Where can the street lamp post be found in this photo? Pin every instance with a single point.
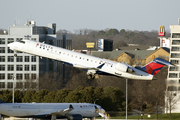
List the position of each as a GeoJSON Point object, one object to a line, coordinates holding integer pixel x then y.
{"type": "Point", "coordinates": [13, 88]}
{"type": "Point", "coordinates": [126, 97]}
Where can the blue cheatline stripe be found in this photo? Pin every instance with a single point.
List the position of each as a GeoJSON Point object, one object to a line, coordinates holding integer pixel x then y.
{"type": "Point", "coordinates": [156, 70]}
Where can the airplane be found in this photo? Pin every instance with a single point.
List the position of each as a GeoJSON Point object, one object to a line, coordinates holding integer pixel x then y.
{"type": "Point", "coordinates": [93, 65]}
{"type": "Point", "coordinates": [53, 111]}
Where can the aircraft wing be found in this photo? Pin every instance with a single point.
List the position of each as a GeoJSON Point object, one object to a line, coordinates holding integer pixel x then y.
{"type": "Point", "coordinates": [59, 112]}
{"type": "Point", "coordinates": [63, 112]}
{"type": "Point", "coordinates": [88, 68]}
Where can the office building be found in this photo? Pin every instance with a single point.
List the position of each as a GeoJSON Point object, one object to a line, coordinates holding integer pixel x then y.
{"type": "Point", "coordinates": [24, 70]}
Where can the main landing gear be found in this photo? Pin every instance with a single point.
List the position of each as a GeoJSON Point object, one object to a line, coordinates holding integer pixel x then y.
{"type": "Point", "coordinates": [91, 76]}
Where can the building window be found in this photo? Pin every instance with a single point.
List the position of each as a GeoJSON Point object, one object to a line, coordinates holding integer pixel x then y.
{"type": "Point", "coordinates": [19, 85]}
{"type": "Point", "coordinates": [175, 55]}
{"type": "Point", "coordinates": [19, 76]}
{"type": "Point", "coordinates": [26, 76]}
{"type": "Point", "coordinates": [33, 58]}
{"type": "Point", "coordinates": [33, 67]}
{"type": "Point", "coordinates": [17, 39]}
{"type": "Point", "coordinates": [26, 67]}
{"type": "Point", "coordinates": [2, 40]}
{"type": "Point", "coordinates": [27, 85]}
{"type": "Point", "coordinates": [175, 61]}
{"type": "Point", "coordinates": [2, 49]}
{"type": "Point", "coordinates": [2, 67]}
{"type": "Point", "coordinates": [10, 84]}
{"type": "Point", "coordinates": [10, 40]}
{"type": "Point", "coordinates": [51, 42]}
{"type": "Point", "coordinates": [33, 39]}
{"type": "Point", "coordinates": [174, 68]}
{"type": "Point", "coordinates": [176, 35]}
{"type": "Point", "coordinates": [2, 85]}
{"type": "Point", "coordinates": [176, 42]}
{"type": "Point", "coordinates": [175, 49]}
{"type": "Point", "coordinates": [2, 58]}
{"type": "Point", "coordinates": [10, 58]}
{"type": "Point", "coordinates": [26, 59]}
{"type": "Point", "coordinates": [34, 85]}
{"type": "Point", "coordinates": [2, 76]}
{"type": "Point", "coordinates": [172, 88]}
{"type": "Point", "coordinates": [10, 76]}
{"type": "Point", "coordinates": [19, 59]}
{"type": "Point", "coordinates": [10, 51]}
{"type": "Point", "coordinates": [10, 67]}
{"type": "Point", "coordinates": [173, 75]}
{"type": "Point", "coordinates": [19, 67]}
{"type": "Point", "coordinates": [172, 81]}
{"type": "Point", "coordinates": [33, 76]}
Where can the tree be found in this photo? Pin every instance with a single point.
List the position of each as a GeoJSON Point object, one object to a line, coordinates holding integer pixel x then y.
{"type": "Point", "coordinates": [6, 96]}
{"type": "Point", "coordinates": [101, 33]}
{"type": "Point", "coordinates": [50, 97]}
{"type": "Point", "coordinates": [139, 95]}
{"type": "Point", "coordinates": [61, 95]}
{"type": "Point", "coordinates": [28, 97]}
{"type": "Point", "coordinates": [73, 97]}
{"type": "Point", "coordinates": [112, 32]}
{"type": "Point", "coordinates": [39, 97]}
{"type": "Point", "coordinates": [18, 95]}
{"type": "Point", "coordinates": [172, 97]}
{"type": "Point", "coordinates": [113, 99]}
{"type": "Point", "coordinates": [156, 96]}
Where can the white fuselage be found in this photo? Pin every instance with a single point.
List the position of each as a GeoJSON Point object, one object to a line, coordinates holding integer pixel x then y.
{"type": "Point", "coordinates": [79, 60]}
{"type": "Point", "coordinates": [38, 110]}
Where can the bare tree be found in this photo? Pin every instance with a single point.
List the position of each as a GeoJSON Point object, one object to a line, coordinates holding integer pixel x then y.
{"type": "Point", "coordinates": [50, 81]}
{"type": "Point", "coordinates": [172, 97]}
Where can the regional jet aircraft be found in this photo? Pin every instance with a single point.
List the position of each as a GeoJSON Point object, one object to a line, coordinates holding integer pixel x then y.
{"type": "Point", "coordinates": [72, 111]}
{"type": "Point", "coordinates": [93, 65]}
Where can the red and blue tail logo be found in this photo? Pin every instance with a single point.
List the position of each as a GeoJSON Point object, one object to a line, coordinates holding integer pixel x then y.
{"type": "Point", "coordinates": [154, 66]}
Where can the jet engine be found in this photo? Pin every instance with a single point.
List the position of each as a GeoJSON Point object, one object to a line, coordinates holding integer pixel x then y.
{"type": "Point", "coordinates": [123, 68]}
{"type": "Point", "coordinates": [75, 117]}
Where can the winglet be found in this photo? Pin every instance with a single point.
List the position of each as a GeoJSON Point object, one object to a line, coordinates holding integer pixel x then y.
{"type": "Point", "coordinates": [70, 106]}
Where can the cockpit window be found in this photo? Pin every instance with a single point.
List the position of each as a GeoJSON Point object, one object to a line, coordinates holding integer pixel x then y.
{"type": "Point", "coordinates": [21, 41]}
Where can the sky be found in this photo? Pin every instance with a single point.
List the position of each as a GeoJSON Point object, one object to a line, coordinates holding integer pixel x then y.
{"type": "Point", "coordinates": [71, 15]}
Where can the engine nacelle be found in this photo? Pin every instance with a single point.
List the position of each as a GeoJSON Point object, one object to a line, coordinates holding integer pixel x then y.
{"type": "Point", "coordinates": [75, 117]}
{"type": "Point", "coordinates": [124, 68]}
{"type": "Point", "coordinates": [121, 67]}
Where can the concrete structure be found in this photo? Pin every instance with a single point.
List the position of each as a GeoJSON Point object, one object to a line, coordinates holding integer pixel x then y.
{"type": "Point", "coordinates": [26, 68]}
{"type": "Point", "coordinates": [173, 78]}
{"type": "Point", "coordinates": [172, 97]}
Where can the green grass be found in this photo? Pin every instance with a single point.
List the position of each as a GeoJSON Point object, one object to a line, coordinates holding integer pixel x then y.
{"type": "Point", "coordinates": [174, 116]}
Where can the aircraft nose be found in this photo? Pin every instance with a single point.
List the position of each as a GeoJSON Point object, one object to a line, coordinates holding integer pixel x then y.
{"type": "Point", "coordinates": [11, 46]}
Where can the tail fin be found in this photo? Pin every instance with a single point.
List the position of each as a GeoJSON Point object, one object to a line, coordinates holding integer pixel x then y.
{"type": "Point", "coordinates": [154, 66]}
